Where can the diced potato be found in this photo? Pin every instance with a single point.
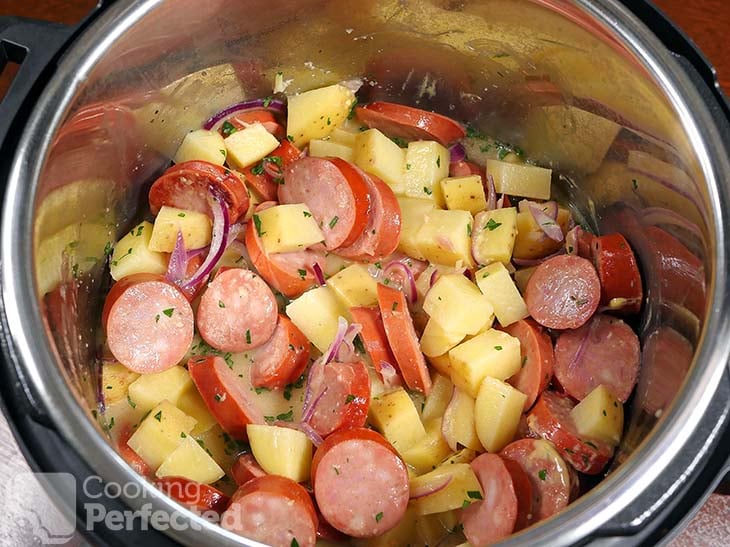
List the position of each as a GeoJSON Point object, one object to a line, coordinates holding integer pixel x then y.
{"type": "Point", "coordinates": [442, 364]}
{"type": "Point", "coordinates": [160, 433]}
{"type": "Point", "coordinates": [496, 284]}
{"type": "Point", "coordinates": [426, 164]}
{"type": "Point", "coordinates": [494, 236]}
{"type": "Point", "coordinates": [458, 426]}
{"type": "Point", "coordinates": [438, 399]}
{"type": "Point", "coordinates": [316, 113]}
{"type": "Point", "coordinates": [445, 237]}
{"type": "Point", "coordinates": [396, 417]}
{"type": "Point", "coordinates": [492, 353]}
{"type": "Point", "coordinates": [316, 313]}
{"type": "Point", "coordinates": [599, 416]}
{"type": "Point", "coordinates": [430, 450]}
{"type": "Point", "coordinates": [465, 455]}
{"type": "Point", "coordinates": [150, 389]}
{"type": "Point", "coordinates": [436, 341]}
{"type": "Point", "coordinates": [319, 148]}
{"type": "Point", "coordinates": [377, 154]}
{"type": "Point", "coordinates": [531, 241]}
{"type": "Point", "coordinates": [202, 145]}
{"type": "Point", "coordinates": [195, 228]}
{"type": "Point", "coordinates": [520, 180]}
{"type": "Point", "coordinates": [219, 445]}
{"type": "Point", "coordinates": [465, 193]}
{"type": "Point", "coordinates": [354, 286]}
{"type": "Point", "coordinates": [249, 145]}
{"type": "Point", "coordinates": [413, 214]}
{"type": "Point", "coordinates": [522, 277]}
{"type": "Point", "coordinates": [401, 534]}
{"type": "Point", "coordinates": [192, 404]}
{"type": "Point", "coordinates": [281, 450]}
{"type": "Point", "coordinates": [432, 529]}
{"type": "Point", "coordinates": [132, 254]}
{"type": "Point", "coordinates": [191, 461]}
{"type": "Point", "coordinates": [462, 488]}
{"type": "Point", "coordinates": [497, 413]}
{"type": "Point", "coordinates": [347, 132]}
{"type": "Point", "coordinates": [457, 305]}
{"type": "Point", "coordinates": [115, 381]}
{"type": "Point", "coordinates": [288, 228]}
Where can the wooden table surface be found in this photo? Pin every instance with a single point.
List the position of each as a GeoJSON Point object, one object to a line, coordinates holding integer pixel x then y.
{"type": "Point", "coordinates": [707, 22]}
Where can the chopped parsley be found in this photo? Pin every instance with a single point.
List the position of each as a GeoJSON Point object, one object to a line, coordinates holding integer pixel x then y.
{"type": "Point", "coordinates": [158, 416]}
{"type": "Point", "coordinates": [604, 412]}
{"type": "Point", "coordinates": [542, 474]}
{"type": "Point", "coordinates": [291, 347]}
{"type": "Point", "coordinates": [351, 114]}
{"type": "Point", "coordinates": [221, 304]}
{"type": "Point", "coordinates": [485, 275]}
{"type": "Point", "coordinates": [168, 312]}
{"type": "Point", "coordinates": [288, 388]}
{"type": "Point", "coordinates": [285, 417]}
{"type": "Point", "coordinates": [438, 161]}
{"type": "Point", "coordinates": [427, 191]}
{"type": "Point", "coordinates": [131, 402]}
{"type": "Point", "coordinates": [359, 346]}
{"type": "Point", "coordinates": [294, 542]}
{"type": "Point", "coordinates": [337, 471]}
{"type": "Point", "coordinates": [267, 101]}
{"type": "Point", "coordinates": [228, 129]}
{"type": "Point", "coordinates": [302, 273]}
{"type": "Point", "coordinates": [290, 138]}
{"type": "Point", "coordinates": [218, 397]}
{"type": "Point", "coordinates": [378, 265]}
{"type": "Point", "coordinates": [258, 169]}
{"type": "Point", "coordinates": [468, 229]}
{"type": "Point", "coordinates": [498, 348]}
{"type": "Point", "coordinates": [349, 399]}
{"type": "Point", "coordinates": [589, 443]}
{"type": "Point", "coordinates": [257, 224]}
{"type": "Point", "coordinates": [307, 214]}
{"type": "Point", "coordinates": [329, 121]}
{"type": "Point", "coordinates": [408, 166]}
{"type": "Point", "coordinates": [394, 307]}
{"type": "Point", "coordinates": [524, 361]}
{"type": "Point", "coordinates": [181, 215]}
{"type": "Point", "coordinates": [182, 435]}
{"type": "Point", "coordinates": [400, 142]}
{"type": "Point", "coordinates": [108, 248]}
{"type": "Point", "coordinates": [333, 222]}
{"type": "Point", "coordinates": [635, 184]}
{"type": "Point", "coordinates": [223, 153]}
{"type": "Point", "coordinates": [110, 424]}
{"type": "Point", "coordinates": [378, 516]}
{"type": "Point", "coordinates": [260, 390]}
{"type": "Point", "coordinates": [474, 494]}
{"type": "Point", "coordinates": [465, 504]}
{"type": "Point", "coordinates": [248, 336]}
{"type": "Point", "coordinates": [492, 225]}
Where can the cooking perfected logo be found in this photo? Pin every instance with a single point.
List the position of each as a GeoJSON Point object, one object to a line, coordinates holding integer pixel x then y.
{"type": "Point", "coordinates": [30, 517]}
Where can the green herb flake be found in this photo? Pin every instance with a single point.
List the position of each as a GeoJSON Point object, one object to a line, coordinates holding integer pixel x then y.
{"type": "Point", "coordinates": [181, 215]}
{"type": "Point", "coordinates": [182, 435]}
{"type": "Point", "coordinates": [228, 129]}
{"type": "Point", "coordinates": [291, 347]}
{"type": "Point", "coordinates": [218, 397]}
{"type": "Point", "coordinates": [307, 214]}
{"type": "Point", "coordinates": [351, 114]}
{"type": "Point", "coordinates": [408, 166]}
{"type": "Point", "coordinates": [394, 307]}
{"type": "Point", "coordinates": [110, 424]}
{"type": "Point", "coordinates": [286, 416]}
{"type": "Point", "coordinates": [131, 402]}
{"type": "Point", "coordinates": [542, 474]}
{"type": "Point", "coordinates": [257, 224]}
{"type": "Point", "coordinates": [267, 101]}
{"type": "Point", "coordinates": [589, 443]}
{"type": "Point", "coordinates": [336, 469]}
{"type": "Point", "coordinates": [221, 304]}
{"type": "Point", "coordinates": [248, 336]}
{"type": "Point", "coordinates": [474, 494]}
{"type": "Point", "coordinates": [290, 138]}
{"type": "Point", "coordinates": [158, 416]}
{"type": "Point", "coordinates": [260, 390]}
{"type": "Point", "coordinates": [258, 169]}
{"type": "Point", "coordinates": [294, 542]}
{"type": "Point", "coordinates": [168, 312]}
{"type": "Point", "coordinates": [302, 273]}
{"type": "Point", "coordinates": [438, 161]}
{"type": "Point", "coordinates": [524, 362]}
{"type": "Point", "coordinates": [468, 230]}
{"type": "Point", "coordinates": [485, 275]}
{"type": "Point", "coordinates": [349, 399]}
{"type": "Point", "coordinates": [635, 184]}
{"type": "Point", "coordinates": [333, 222]}
{"type": "Point", "coordinates": [378, 265]}
{"type": "Point", "coordinates": [498, 348]}
{"type": "Point", "coordinates": [359, 346]}
{"type": "Point", "coordinates": [465, 504]}
{"type": "Point", "coordinates": [492, 225]}
{"type": "Point", "coordinates": [427, 191]}
{"type": "Point", "coordinates": [378, 517]}
{"type": "Point", "coordinates": [108, 248]}
{"type": "Point", "coordinates": [400, 142]}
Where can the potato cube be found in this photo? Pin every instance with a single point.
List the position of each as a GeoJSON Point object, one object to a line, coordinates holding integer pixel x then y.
{"type": "Point", "coordinates": [195, 228]}
{"type": "Point", "coordinates": [287, 228]}
{"type": "Point", "coordinates": [426, 163]}
{"type": "Point", "coordinates": [445, 237]}
{"type": "Point", "coordinates": [432, 529]}
{"type": "Point", "coordinates": [347, 132]}
{"type": "Point", "coordinates": [492, 353]}
{"type": "Point", "coordinates": [531, 242]}
{"type": "Point", "coordinates": [430, 450]}
{"type": "Point", "coordinates": [115, 381]}
{"type": "Point", "coordinates": [436, 341]}
{"type": "Point", "coordinates": [192, 404]}
{"type": "Point", "coordinates": [461, 489]}
{"type": "Point", "coordinates": [191, 461]}
{"type": "Point", "coordinates": [354, 286]}
{"type": "Point", "coordinates": [316, 113]}
{"type": "Point", "coordinates": [599, 416]}
{"type": "Point", "coordinates": [438, 399]}
{"type": "Point", "coordinates": [522, 277]}
{"type": "Point", "coordinates": [497, 413]}
{"type": "Point", "coordinates": [441, 363]}
{"type": "Point", "coordinates": [319, 148]}
{"type": "Point", "coordinates": [519, 179]}
{"type": "Point", "coordinates": [458, 426]}
{"type": "Point", "coordinates": [150, 389]}
{"type": "Point", "coordinates": [413, 215]}
{"type": "Point", "coordinates": [202, 145]}
{"type": "Point", "coordinates": [494, 235]}
{"type": "Point", "coordinates": [465, 455]}
{"type": "Point", "coordinates": [219, 445]}
{"type": "Point", "coordinates": [132, 254]}
{"type": "Point", "coordinates": [396, 417]}
{"type": "Point", "coordinates": [496, 284]}
{"type": "Point", "coordinates": [249, 145]}
{"type": "Point", "coordinates": [281, 450]}
{"type": "Point", "coordinates": [457, 305]}
{"type": "Point", "coordinates": [401, 534]}
{"type": "Point", "coordinates": [377, 154]}
{"type": "Point", "coordinates": [316, 313]}
{"type": "Point", "coordinates": [160, 433]}
{"type": "Point", "coordinates": [465, 193]}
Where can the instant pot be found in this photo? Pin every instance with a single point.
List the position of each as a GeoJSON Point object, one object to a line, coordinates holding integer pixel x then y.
{"type": "Point", "coordinates": [609, 94]}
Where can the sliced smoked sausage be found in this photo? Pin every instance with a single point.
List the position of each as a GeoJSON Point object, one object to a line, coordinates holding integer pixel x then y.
{"type": "Point", "coordinates": [148, 323]}
{"type": "Point", "coordinates": [336, 194]}
{"type": "Point", "coordinates": [621, 288]}
{"type": "Point", "coordinates": [198, 496]}
{"type": "Point", "coordinates": [360, 482]}
{"type": "Point", "coordinates": [563, 292]}
{"type": "Point", "coordinates": [406, 122]}
{"type": "Point", "coordinates": [274, 510]}
{"type": "Point", "coordinates": [237, 311]}
{"type": "Point", "coordinates": [536, 352]}
{"type": "Point", "coordinates": [605, 351]}
{"type": "Point", "coordinates": [246, 468]}
{"type": "Point", "coordinates": [373, 336]}
{"type": "Point", "coordinates": [283, 358]}
{"type": "Point", "coordinates": [551, 420]}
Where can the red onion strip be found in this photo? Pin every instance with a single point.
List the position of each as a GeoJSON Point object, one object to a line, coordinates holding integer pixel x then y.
{"type": "Point", "coordinates": [309, 412]}
{"type": "Point", "coordinates": [410, 280]}
{"type": "Point", "coordinates": [178, 264]}
{"type": "Point", "coordinates": [547, 224]}
{"type": "Point", "coordinates": [571, 240]}
{"type": "Point", "coordinates": [491, 193]}
{"type": "Point", "coordinates": [319, 274]}
{"type": "Point", "coordinates": [434, 277]}
{"type": "Point", "coordinates": [457, 153]}
{"type": "Point", "coordinates": [274, 104]}
{"type": "Point", "coordinates": [429, 489]}
{"type": "Point", "coordinates": [389, 375]}
{"type": "Point", "coordinates": [221, 227]}
{"type": "Point", "coordinates": [346, 352]}
{"type": "Point", "coordinates": [659, 215]}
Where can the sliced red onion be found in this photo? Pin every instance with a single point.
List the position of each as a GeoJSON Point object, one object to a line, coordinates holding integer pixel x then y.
{"type": "Point", "coordinates": [389, 375]}
{"type": "Point", "coordinates": [428, 489]}
{"type": "Point", "coordinates": [274, 171]}
{"type": "Point", "coordinates": [457, 152]}
{"type": "Point", "coordinates": [503, 202]}
{"type": "Point", "coordinates": [178, 264]}
{"type": "Point", "coordinates": [571, 240]}
{"type": "Point", "coordinates": [346, 352]}
{"type": "Point", "coordinates": [547, 223]}
{"type": "Point", "coordinates": [331, 352]}
{"type": "Point", "coordinates": [526, 262]}
{"type": "Point", "coordinates": [221, 227]}
{"type": "Point", "coordinates": [319, 274]}
{"type": "Point", "coordinates": [659, 215]}
{"type": "Point", "coordinates": [309, 411]}
{"type": "Point", "coordinates": [273, 104]}
{"type": "Point", "coordinates": [410, 279]}
{"type": "Point", "coordinates": [550, 208]}
{"type": "Point", "coordinates": [311, 434]}
{"type": "Point", "coordinates": [578, 355]}
{"type": "Point", "coordinates": [491, 193]}
{"type": "Point", "coordinates": [434, 277]}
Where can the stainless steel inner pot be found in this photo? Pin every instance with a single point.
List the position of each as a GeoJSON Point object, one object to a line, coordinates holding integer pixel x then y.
{"type": "Point", "coordinates": [582, 86]}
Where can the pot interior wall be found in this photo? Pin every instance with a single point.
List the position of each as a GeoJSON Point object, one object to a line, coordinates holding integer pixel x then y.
{"type": "Point", "coordinates": [540, 75]}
